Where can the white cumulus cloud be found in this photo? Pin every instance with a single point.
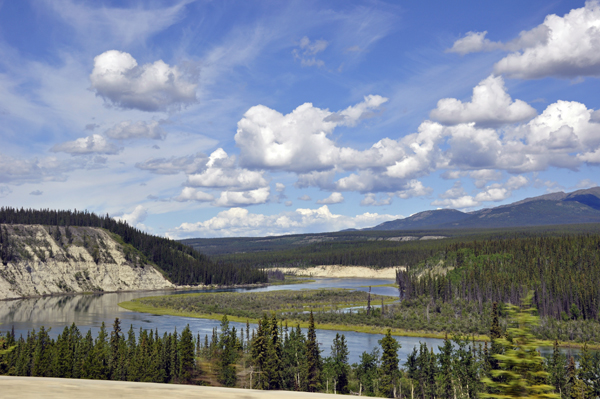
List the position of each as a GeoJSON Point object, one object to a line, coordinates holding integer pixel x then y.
{"type": "Point", "coordinates": [120, 81]}
{"type": "Point", "coordinates": [490, 105]}
{"type": "Point", "coordinates": [191, 194]}
{"type": "Point", "coordinates": [135, 218]}
{"type": "Point", "coordinates": [221, 171]}
{"type": "Point", "coordinates": [334, 198]}
{"type": "Point", "coordinates": [243, 198]}
{"type": "Point", "coordinates": [565, 47]}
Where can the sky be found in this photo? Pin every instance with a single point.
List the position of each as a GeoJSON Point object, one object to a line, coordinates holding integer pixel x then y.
{"type": "Point", "coordinates": [254, 118]}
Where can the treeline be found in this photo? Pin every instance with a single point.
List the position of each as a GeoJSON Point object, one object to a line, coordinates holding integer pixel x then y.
{"type": "Point", "coordinates": [147, 357]}
{"type": "Point", "coordinates": [181, 264]}
{"type": "Point", "coordinates": [275, 357]}
{"type": "Point", "coordinates": [376, 254]}
{"type": "Point", "coordinates": [563, 271]}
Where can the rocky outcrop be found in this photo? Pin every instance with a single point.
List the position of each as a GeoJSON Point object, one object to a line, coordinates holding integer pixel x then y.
{"type": "Point", "coordinates": [42, 260]}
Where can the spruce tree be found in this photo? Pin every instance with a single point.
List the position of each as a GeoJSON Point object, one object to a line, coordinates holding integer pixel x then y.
{"type": "Point", "coordinates": [313, 357]}
{"type": "Point", "coordinates": [187, 363]}
{"type": "Point", "coordinates": [341, 369]}
{"type": "Point", "coordinates": [446, 387]}
{"type": "Point", "coordinates": [389, 364]}
{"type": "Point", "coordinates": [519, 365]}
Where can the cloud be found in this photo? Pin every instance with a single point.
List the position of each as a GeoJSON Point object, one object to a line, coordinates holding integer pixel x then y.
{"type": "Point", "coordinates": [243, 198]}
{"type": "Point", "coordinates": [139, 130]}
{"type": "Point", "coordinates": [585, 183]}
{"type": "Point", "coordinates": [307, 50]}
{"type": "Point", "coordinates": [490, 106]}
{"type": "Point", "coordinates": [119, 24]}
{"type": "Point", "coordinates": [241, 222]}
{"type": "Point", "coordinates": [564, 47]}
{"type": "Point", "coordinates": [355, 113]}
{"type": "Point", "coordinates": [35, 170]}
{"type": "Point", "coordinates": [298, 142]}
{"type": "Point", "coordinates": [288, 203]}
{"type": "Point", "coordinates": [36, 192]}
{"type": "Point", "coordinates": [94, 144]}
{"type": "Point", "coordinates": [305, 198]}
{"type": "Point", "coordinates": [135, 218]}
{"type": "Point", "coordinates": [474, 42]}
{"type": "Point", "coordinates": [221, 172]}
{"type": "Point", "coordinates": [279, 187]}
{"type": "Point", "coordinates": [191, 194]}
{"type": "Point", "coordinates": [371, 200]}
{"type": "Point", "coordinates": [413, 188]}
{"type": "Point", "coordinates": [334, 198]}
{"type": "Point", "coordinates": [195, 163]}
{"type": "Point", "coordinates": [120, 81]}
{"type": "Point", "coordinates": [457, 198]}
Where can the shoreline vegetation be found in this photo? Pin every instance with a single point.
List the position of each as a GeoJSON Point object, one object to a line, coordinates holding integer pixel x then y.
{"type": "Point", "coordinates": [329, 308]}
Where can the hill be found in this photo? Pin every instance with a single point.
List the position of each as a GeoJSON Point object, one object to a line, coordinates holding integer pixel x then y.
{"type": "Point", "coordinates": [179, 263]}
{"type": "Point", "coordinates": [582, 206]}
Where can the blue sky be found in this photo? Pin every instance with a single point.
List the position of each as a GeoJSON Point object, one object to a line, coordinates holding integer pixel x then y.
{"type": "Point", "coordinates": [247, 118]}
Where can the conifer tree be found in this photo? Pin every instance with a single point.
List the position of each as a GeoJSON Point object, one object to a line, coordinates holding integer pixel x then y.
{"type": "Point", "coordinates": [259, 353]}
{"type": "Point", "coordinates": [341, 369]}
{"type": "Point", "coordinates": [313, 357]}
{"type": "Point", "coordinates": [187, 363]}
{"type": "Point", "coordinates": [519, 365]}
{"type": "Point", "coordinates": [389, 364]}
{"type": "Point", "coordinates": [272, 367]}
{"type": "Point", "coordinates": [446, 387]}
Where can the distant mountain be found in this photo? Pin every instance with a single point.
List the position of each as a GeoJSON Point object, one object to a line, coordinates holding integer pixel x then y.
{"type": "Point", "coordinates": [582, 206]}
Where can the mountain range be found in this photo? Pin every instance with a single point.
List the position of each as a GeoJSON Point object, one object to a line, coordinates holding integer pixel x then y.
{"type": "Point", "coordinates": [581, 206]}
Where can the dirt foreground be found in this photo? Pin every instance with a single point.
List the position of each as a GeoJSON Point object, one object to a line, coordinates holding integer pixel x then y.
{"type": "Point", "coordinates": [63, 388]}
{"type": "Point", "coordinates": [338, 271]}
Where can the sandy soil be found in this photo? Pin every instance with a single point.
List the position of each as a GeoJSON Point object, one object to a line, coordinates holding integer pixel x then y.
{"type": "Point", "coordinates": [337, 271]}
{"type": "Point", "coordinates": [63, 388]}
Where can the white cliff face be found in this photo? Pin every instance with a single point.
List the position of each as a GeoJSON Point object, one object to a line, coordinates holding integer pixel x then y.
{"type": "Point", "coordinates": [44, 260]}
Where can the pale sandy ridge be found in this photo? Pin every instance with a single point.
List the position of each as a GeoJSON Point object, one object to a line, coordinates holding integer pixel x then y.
{"type": "Point", "coordinates": [338, 271]}
{"type": "Point", "coordinates": [64, 388]}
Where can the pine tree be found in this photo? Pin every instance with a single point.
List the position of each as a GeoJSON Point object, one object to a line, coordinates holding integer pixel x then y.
{"type": "Point", "coordinates": [187, 363]}
{"type": "Point", "coordinates": [313, 357]}
{"type": "Point", "coordinates": [557, 368]}
{"type": "Point", "coordinates": [446, 387]}
{"type": "Point", "coordinates": [114, 359]}
{"type": "Point", "coordinates": [341, 369]}
{"type": "Point", "coordinates": [272, 367]}
{"type": "Point", "coordinates": [520, 362]}
{"type": "Point", "coordinates": [259, 353]}
{"type": "Point", "coordinates": [389, 364]}
{"type": "Point", "coordinates": [367, 372]}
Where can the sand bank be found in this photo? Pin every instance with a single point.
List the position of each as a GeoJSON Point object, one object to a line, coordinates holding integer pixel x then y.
{"type": "Point", "coordinates": [338, 271]}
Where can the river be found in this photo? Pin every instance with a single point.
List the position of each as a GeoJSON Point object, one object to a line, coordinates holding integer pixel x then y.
{"type": "Point", "coordinates": [89, 311]}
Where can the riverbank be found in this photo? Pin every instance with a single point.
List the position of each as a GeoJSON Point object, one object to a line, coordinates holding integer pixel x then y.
{"type": "Point", "coordinates": [63, 388]}
{"type": "Point", "coordinates": [339, 271]}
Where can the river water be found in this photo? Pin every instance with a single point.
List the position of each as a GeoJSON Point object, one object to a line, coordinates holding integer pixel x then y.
{"type": "Point", "coordinates": [89, 311]}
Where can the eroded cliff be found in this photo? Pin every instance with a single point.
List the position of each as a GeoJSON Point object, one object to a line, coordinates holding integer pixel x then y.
{"type": "Point", "coordinates": [43, 260]}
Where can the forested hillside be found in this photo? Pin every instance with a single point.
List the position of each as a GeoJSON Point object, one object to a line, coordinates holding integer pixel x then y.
{"type": "Point", "coordinates": [563, 271]}
{"type": "Point", "coordinates": [180, 263]}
